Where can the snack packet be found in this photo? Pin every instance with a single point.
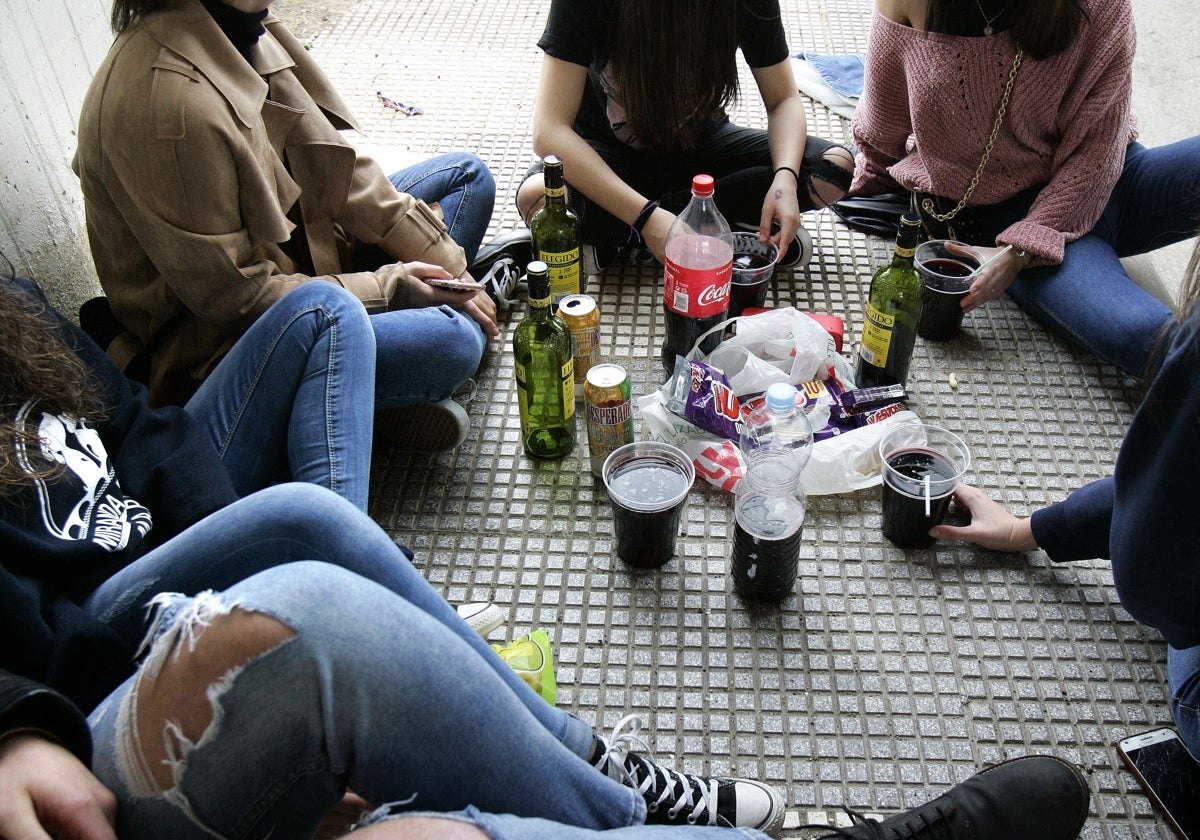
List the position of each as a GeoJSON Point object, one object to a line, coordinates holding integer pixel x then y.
{"type": "Point", "coordinates": [700, 394]}
{"type": "Point", "coordinates": [531, 658]}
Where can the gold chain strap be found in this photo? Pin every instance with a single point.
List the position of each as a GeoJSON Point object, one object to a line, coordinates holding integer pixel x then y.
{"type": "Point", "coordinates": [927, 204]}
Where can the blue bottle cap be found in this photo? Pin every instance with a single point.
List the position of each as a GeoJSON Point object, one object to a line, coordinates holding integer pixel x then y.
{"type": "Point", "coordinates": [781, 396]}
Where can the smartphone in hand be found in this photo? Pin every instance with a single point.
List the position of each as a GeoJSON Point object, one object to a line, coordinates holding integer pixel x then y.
{"type": "Point", "coordinates": [455, 284]}
{"type": "Point", "coordinates": [1169, 776]}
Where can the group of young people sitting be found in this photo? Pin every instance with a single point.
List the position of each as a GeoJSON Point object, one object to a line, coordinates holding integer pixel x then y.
{"type": "Point", "coordinates": [183, 514]}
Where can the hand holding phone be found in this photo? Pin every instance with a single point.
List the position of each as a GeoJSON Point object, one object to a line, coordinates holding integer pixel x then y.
{"type": "Point", "coordinates": [455, 284]}
{"type": "Point", "coordinates": [1169, 776]}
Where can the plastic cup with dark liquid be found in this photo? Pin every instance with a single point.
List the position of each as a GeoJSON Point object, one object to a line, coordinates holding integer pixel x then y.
{"type": "Point", "coordinates": [948, 278]}
{"type": "Point", "coordinates": [921, 465]}
{"type": "Point", "coordinates": [648, 483]}
{"type": "Point", "coordinates": [753, 265]}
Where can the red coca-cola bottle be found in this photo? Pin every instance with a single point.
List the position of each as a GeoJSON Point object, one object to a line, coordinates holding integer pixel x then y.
{"type": "Point", "coordinates": [699, 265]}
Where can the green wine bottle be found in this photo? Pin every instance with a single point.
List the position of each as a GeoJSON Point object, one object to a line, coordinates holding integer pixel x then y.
{"type": "Point", "coordinates": [555, 230]}
{"type": "Point", "coordinates": [893, 307]}
{"type": "Point", "coordinates": [545, 373]}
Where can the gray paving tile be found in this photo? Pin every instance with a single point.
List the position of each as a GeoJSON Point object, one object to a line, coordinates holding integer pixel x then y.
{"type": "Point", "coordinates": [888, 675]}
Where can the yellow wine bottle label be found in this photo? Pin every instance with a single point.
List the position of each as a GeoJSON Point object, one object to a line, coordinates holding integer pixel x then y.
{"type": "Point", "coordinates": [877, 336]}
{"type": "Point", "coordinates": [901, 251]}
{"type": "Point", "coordinates": [564, 272]}
{"type": "Point", "coordinates": [568, 388]}
{"type": "Point", "coordinates": [556, 192]}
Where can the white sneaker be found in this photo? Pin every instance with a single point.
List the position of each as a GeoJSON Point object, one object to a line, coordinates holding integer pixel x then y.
{"type": "Point", "coordinates": [482, 616]}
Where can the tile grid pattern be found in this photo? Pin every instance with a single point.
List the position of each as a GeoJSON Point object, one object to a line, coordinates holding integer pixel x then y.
{"type": "Point", "coordinates": [889, 675]}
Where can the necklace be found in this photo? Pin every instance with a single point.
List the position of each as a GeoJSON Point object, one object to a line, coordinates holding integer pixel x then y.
{"type": "Point", "coordinates": [987, 28]}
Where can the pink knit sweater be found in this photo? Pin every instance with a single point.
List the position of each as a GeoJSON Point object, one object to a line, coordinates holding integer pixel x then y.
{"type": "Point", "coordinates": [930, 100]}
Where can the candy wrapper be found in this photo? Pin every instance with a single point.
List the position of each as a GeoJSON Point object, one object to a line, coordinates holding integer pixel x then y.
{"type": "Point", "coordinates": [848, 424]}
{"type": "Point", "coordinates": [531, 658]}
{"type": "Point", "coordinates": [700, 394]}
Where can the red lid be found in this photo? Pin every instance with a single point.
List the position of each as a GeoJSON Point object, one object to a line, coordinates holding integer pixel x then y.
{"type": "Point", "coordinates": [702, 185]}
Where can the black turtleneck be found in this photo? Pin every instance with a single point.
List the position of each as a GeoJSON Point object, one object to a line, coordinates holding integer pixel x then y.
{"type": "Point", "coordinates": [243, 29]}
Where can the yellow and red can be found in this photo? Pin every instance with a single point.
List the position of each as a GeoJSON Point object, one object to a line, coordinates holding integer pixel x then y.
{"type": "Point", "coordinates": [607, 395]}
{"type": "Point", "coordinates": [583, 317]}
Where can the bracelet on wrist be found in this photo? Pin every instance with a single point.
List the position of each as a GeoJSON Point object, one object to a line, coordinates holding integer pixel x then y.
{"type": "Point", "coordinates": [795, 174]}
{"type": "Point", "coordinates": [643, 216]}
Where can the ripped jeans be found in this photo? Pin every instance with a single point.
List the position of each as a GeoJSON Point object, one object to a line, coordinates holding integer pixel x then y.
{"type": "Point", "coordinates": [380, 687]}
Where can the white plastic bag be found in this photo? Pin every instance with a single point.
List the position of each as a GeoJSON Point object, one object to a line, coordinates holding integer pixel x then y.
{"type": "Point", "coordinates": [840, 464]}
{"type": "Point", "coordinates": [782, 345]}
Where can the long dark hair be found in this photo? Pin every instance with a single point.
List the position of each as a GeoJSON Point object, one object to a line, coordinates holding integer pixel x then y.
{"type": "Point", "coordinates": [675, 61]}
{"type": "Point", "coordinates": [35, 364]}
{"type": "Point", "coordinates": [125, 12]}
{"type": "Point", "coordinates": [1042, 28]}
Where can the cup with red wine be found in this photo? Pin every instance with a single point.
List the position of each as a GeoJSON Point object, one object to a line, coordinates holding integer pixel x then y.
{"type": "Point", "coordinates": [753, 266]}
{"type": "Point", "coordinates": [948, 269]}
{"type": "Point", "coordinates": [648, 483]}
{"type": "Point", "coordinates": [921, 465]}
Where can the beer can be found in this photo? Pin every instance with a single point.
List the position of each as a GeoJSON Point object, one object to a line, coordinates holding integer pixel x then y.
{"type": "Point", "coordinates": [583, 317]}
{"type": "Point", "coordinates": [609, 412]}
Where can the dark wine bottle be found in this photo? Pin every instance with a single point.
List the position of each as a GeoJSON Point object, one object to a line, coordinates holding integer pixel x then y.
{"type": "Point", "coordinates": [889, 328]}
{"type": "Point", "coordinates": [555, 231]}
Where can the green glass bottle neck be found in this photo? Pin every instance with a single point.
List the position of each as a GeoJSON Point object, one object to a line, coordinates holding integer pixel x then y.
{"type": "Point", "coordinates": [539, 295]}
{"type": "Point", "coordinates": [556, 192]}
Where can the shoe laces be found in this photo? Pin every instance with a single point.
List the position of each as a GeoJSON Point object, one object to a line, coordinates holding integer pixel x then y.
{"type": "Point", "coordinates": [931, 822]}
{"type": "Point", "coordinates": [658, 785]}
{"type": "Point", "coordinates": [501, 281]}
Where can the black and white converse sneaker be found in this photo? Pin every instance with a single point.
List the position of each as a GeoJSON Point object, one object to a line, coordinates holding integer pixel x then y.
{"type": "Point", "coordinates": [676, 798]}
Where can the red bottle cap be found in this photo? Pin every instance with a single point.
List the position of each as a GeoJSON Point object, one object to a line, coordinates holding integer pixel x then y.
{"type": "Point", "coordinates": [702, 185]}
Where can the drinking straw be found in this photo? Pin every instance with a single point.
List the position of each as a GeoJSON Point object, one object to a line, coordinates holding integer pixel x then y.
{"type": "Point", "coordinates": [927, 497]}
{"type": "Point", "coordinates": [989, 261]}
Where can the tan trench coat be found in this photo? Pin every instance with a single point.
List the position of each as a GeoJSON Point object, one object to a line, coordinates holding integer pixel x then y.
{"type": "Point", "coordinates": [211, 190]}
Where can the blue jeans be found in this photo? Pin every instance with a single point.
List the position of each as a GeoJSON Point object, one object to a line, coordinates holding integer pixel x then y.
{"type": "Point", "coordinates": [1089, 299]}
{"type": "Point", "coordinates": [292, 400]}
{"type": "Point", "coordinates": [384, 689]}
{"type": "Point", "coordinates": [462, 186]}
{"type": "Point", "coordinates": [510, 827]}
{"type": "Point", "coordinates": [1183, 680]}
{"type": "Point", "coordinates": [423, 355]}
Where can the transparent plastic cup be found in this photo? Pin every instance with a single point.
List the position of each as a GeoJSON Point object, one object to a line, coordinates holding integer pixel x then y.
{"type": "Point", "coordinates": [921, 465]}
{"type": "Point", "coordinates": [947, 274]}
{"type": "Point", "coordinates": [648, 483]}
{"type": "Point", "coordinates": [753, 267]}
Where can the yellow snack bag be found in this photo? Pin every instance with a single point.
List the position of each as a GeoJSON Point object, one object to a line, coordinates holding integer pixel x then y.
{"type": "Point", "coordinates": [531, 658]}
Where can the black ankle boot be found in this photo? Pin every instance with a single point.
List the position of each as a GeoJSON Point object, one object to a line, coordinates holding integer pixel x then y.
{"type": "Point", "coordinates": [1031, 798]}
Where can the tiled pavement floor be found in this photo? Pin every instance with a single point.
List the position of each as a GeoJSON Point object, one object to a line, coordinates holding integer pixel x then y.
{"type": "Point", "coordinates": [889, 675]}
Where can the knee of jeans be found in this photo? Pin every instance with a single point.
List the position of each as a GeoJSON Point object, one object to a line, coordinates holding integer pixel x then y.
{"type": "Point", "coordinates": [198, 647]}
{"type": "Point", "coordinates": [829, 176]}
{"type": "Point", "coordinates": [462, 347]}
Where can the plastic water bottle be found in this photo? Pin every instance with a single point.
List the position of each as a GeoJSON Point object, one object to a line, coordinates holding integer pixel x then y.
{"type": "Point", "coordinates": [769, 503]}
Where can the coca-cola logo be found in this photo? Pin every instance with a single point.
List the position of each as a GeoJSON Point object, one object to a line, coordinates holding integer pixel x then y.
{"type": "Point", "coordinates": [713, 295]}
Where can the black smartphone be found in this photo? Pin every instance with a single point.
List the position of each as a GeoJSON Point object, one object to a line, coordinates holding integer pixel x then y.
{"type": "Point", "coordinates": [1169, 776]}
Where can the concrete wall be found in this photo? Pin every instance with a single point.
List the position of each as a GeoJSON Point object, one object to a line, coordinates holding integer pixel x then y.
{"type": "Point", "coordinates": [51, 50]}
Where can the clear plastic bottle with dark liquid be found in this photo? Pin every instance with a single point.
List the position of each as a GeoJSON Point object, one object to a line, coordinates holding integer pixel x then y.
{"type": "Point", "coordinates": [697, 274]}
{"type": "Point", "coordinates": [769, 503]}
